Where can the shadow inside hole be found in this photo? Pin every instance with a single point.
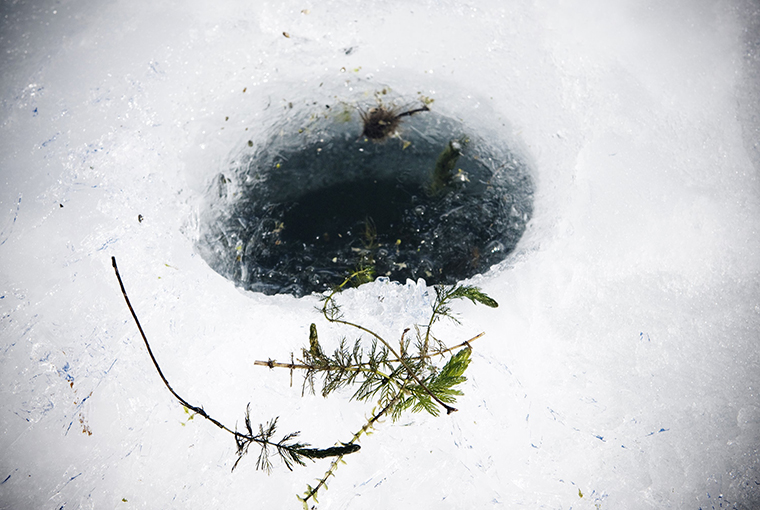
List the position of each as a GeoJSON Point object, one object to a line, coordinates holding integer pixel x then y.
{"type": "Point", "coordinates": [309, 206]}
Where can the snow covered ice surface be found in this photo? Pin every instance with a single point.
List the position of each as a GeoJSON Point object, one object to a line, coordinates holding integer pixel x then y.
{"type": "Point", "coordinates": [621, 369]}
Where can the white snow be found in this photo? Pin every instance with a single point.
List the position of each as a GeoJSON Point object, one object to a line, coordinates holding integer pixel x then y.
{"type": "Point", "coordinates": [621, 369]}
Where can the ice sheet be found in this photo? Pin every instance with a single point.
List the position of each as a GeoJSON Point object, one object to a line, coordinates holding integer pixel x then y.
{"type": "Point", "coordinates": [620, 371]}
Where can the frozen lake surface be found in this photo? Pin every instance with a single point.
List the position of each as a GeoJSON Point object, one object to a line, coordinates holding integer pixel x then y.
{"type": "Point", "coordinates": [621, 369]}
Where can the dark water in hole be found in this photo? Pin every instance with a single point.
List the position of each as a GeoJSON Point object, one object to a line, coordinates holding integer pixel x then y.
{"type": "Point", "coordinates": [300, 212]}
{"type": "Point", "coordinates": [324, 216]}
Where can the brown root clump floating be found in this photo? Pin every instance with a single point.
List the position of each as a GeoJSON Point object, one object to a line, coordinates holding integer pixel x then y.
{"type": "Point", "coordinates": [380, 122]}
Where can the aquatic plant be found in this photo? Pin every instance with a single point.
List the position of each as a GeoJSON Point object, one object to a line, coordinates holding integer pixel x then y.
{"type": "Point", "coordinates": [397, 377]}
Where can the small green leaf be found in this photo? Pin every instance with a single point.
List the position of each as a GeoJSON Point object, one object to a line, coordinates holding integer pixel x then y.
{"type": "Point", "coordinates": [476, 295]}
{"type": "Point", "coordinates": [456, 366]}
{"type": "Point", "coordinates": [451, 375]}
{"type": "Point", "coordinates": [314, 348]}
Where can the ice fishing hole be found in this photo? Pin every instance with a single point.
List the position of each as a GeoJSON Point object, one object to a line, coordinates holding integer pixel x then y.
{"type": "Point", "coordinates": [316, 200]}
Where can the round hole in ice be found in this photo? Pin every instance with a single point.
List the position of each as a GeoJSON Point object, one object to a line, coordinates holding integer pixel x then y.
{"type": "Point", "coordinates": [316, 199]}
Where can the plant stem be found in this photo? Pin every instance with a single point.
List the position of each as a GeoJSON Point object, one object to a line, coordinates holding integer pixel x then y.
{"type": "Point", "coordinates": [356, 368]}
{"type": "Point", "coordinates": [312, 492]}
{"type": "Point", "coordinates": [292, 366]}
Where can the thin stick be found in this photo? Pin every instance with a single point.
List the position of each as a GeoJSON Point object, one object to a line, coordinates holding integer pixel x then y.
{"type": "Point", "coordinates": [275, 364]}
{"type": "Point", "coordinates": [182, 401]}
{"type": "Point", "coordinates": [466, 343]}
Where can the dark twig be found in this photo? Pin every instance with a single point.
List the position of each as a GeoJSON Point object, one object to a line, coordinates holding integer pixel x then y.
{"type": "Point", "coordinates": [182, 401]}
{"type": "Point", "coordinates": [289, 452]}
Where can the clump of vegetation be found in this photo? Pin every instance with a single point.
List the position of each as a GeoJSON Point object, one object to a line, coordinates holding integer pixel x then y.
{"type": "Point", "coordinates": [397, 378]}
{"type": "Point", "coordinates": [382, 122]}
{"type": "Point", "coordinates": [417, 372]}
